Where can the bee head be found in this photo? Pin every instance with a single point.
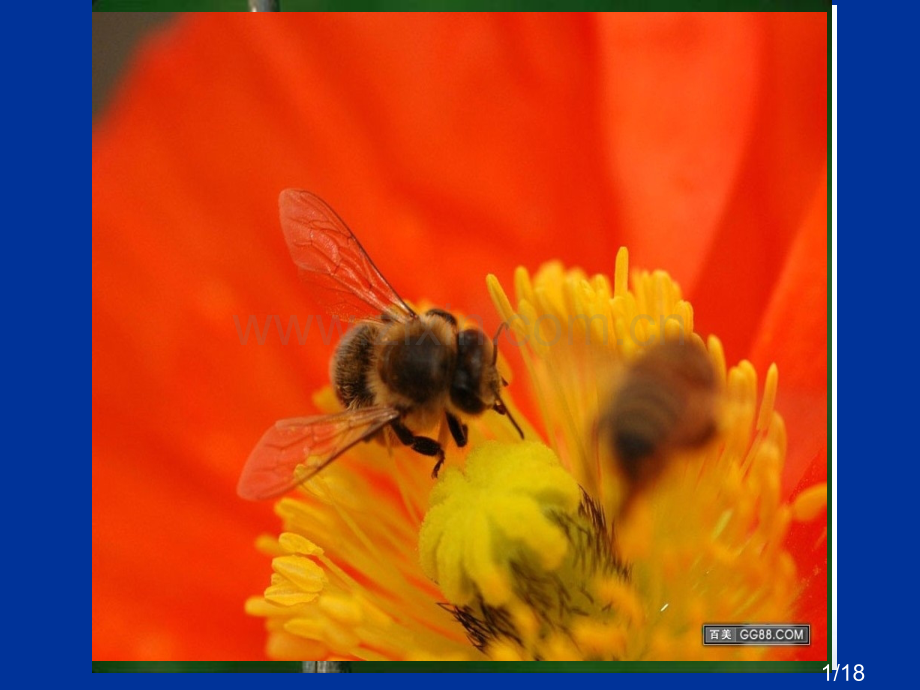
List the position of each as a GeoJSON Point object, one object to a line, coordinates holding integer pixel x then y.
{"type": "Point", "coordinates": [476, 379]}
{"type": "Point", "coordinates": [477, 385]}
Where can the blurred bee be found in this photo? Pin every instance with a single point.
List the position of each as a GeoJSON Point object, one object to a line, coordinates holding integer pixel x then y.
{"type": "Point", "coordinates": [395, 371]}
{"type": "Point", "coordinates": [665, 402]}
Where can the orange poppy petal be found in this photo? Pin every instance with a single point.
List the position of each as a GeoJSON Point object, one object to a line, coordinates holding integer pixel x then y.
{"type": "Point", "coordinates": [784, 160]}
{"type": "Point", "coordinates": [680, 105]}
{"type": "Point", "coordinates": [793, 333]}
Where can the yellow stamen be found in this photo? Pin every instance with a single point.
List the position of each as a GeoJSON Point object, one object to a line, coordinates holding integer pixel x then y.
{"type": "Point", "coordinates": [809, 504]}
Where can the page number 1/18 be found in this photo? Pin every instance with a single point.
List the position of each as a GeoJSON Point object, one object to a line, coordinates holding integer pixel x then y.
{"type": "Point", "coordinates": [844, 672]}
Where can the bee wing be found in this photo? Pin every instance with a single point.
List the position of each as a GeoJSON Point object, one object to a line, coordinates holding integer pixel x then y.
{"type": "Point", "coordinates": [332, 261]}
{"type": "Point", "coordinates": [293, 450]}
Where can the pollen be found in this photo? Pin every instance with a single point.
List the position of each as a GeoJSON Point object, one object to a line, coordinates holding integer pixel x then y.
{"type": "Point", "coordinates": [520, 551]}
{"type": "Point", "coordinates": [505, 502]}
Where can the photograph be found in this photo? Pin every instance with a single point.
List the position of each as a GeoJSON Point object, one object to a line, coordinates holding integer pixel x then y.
{"type": "Point", "coordinates": [461, 337]}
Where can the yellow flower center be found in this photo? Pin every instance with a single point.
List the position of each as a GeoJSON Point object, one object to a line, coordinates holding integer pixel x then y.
{"type": "Point", "coordinates": [529, 551]}
{"type": "Point", "coordinates": [519, 550]}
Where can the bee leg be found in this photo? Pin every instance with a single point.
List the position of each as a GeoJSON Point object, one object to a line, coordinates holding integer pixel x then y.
{"type": "Point", "coordinates": [420, 444]}
{"type": "Point", "coordinates": [437, 465]}
{"type": "Point", "coordinates": [459, 431]}
{"type": "Point", "coordinates": [387, 439]}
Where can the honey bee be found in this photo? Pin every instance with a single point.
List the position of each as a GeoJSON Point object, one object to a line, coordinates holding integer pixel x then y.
{"type": "Point", "coordinates": [665, 401]}
{"type": "Point", "coordinates": [393, 372]}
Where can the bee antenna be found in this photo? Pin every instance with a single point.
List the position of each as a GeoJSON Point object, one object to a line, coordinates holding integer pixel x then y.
{"type": "Point", "coordinates": [501, 409]}
{"type": "Point", "coordinates": [498, 334]}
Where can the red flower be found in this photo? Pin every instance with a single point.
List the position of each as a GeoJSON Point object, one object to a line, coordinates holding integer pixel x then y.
{"type": "Point", "coordinates": [454, 146]}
